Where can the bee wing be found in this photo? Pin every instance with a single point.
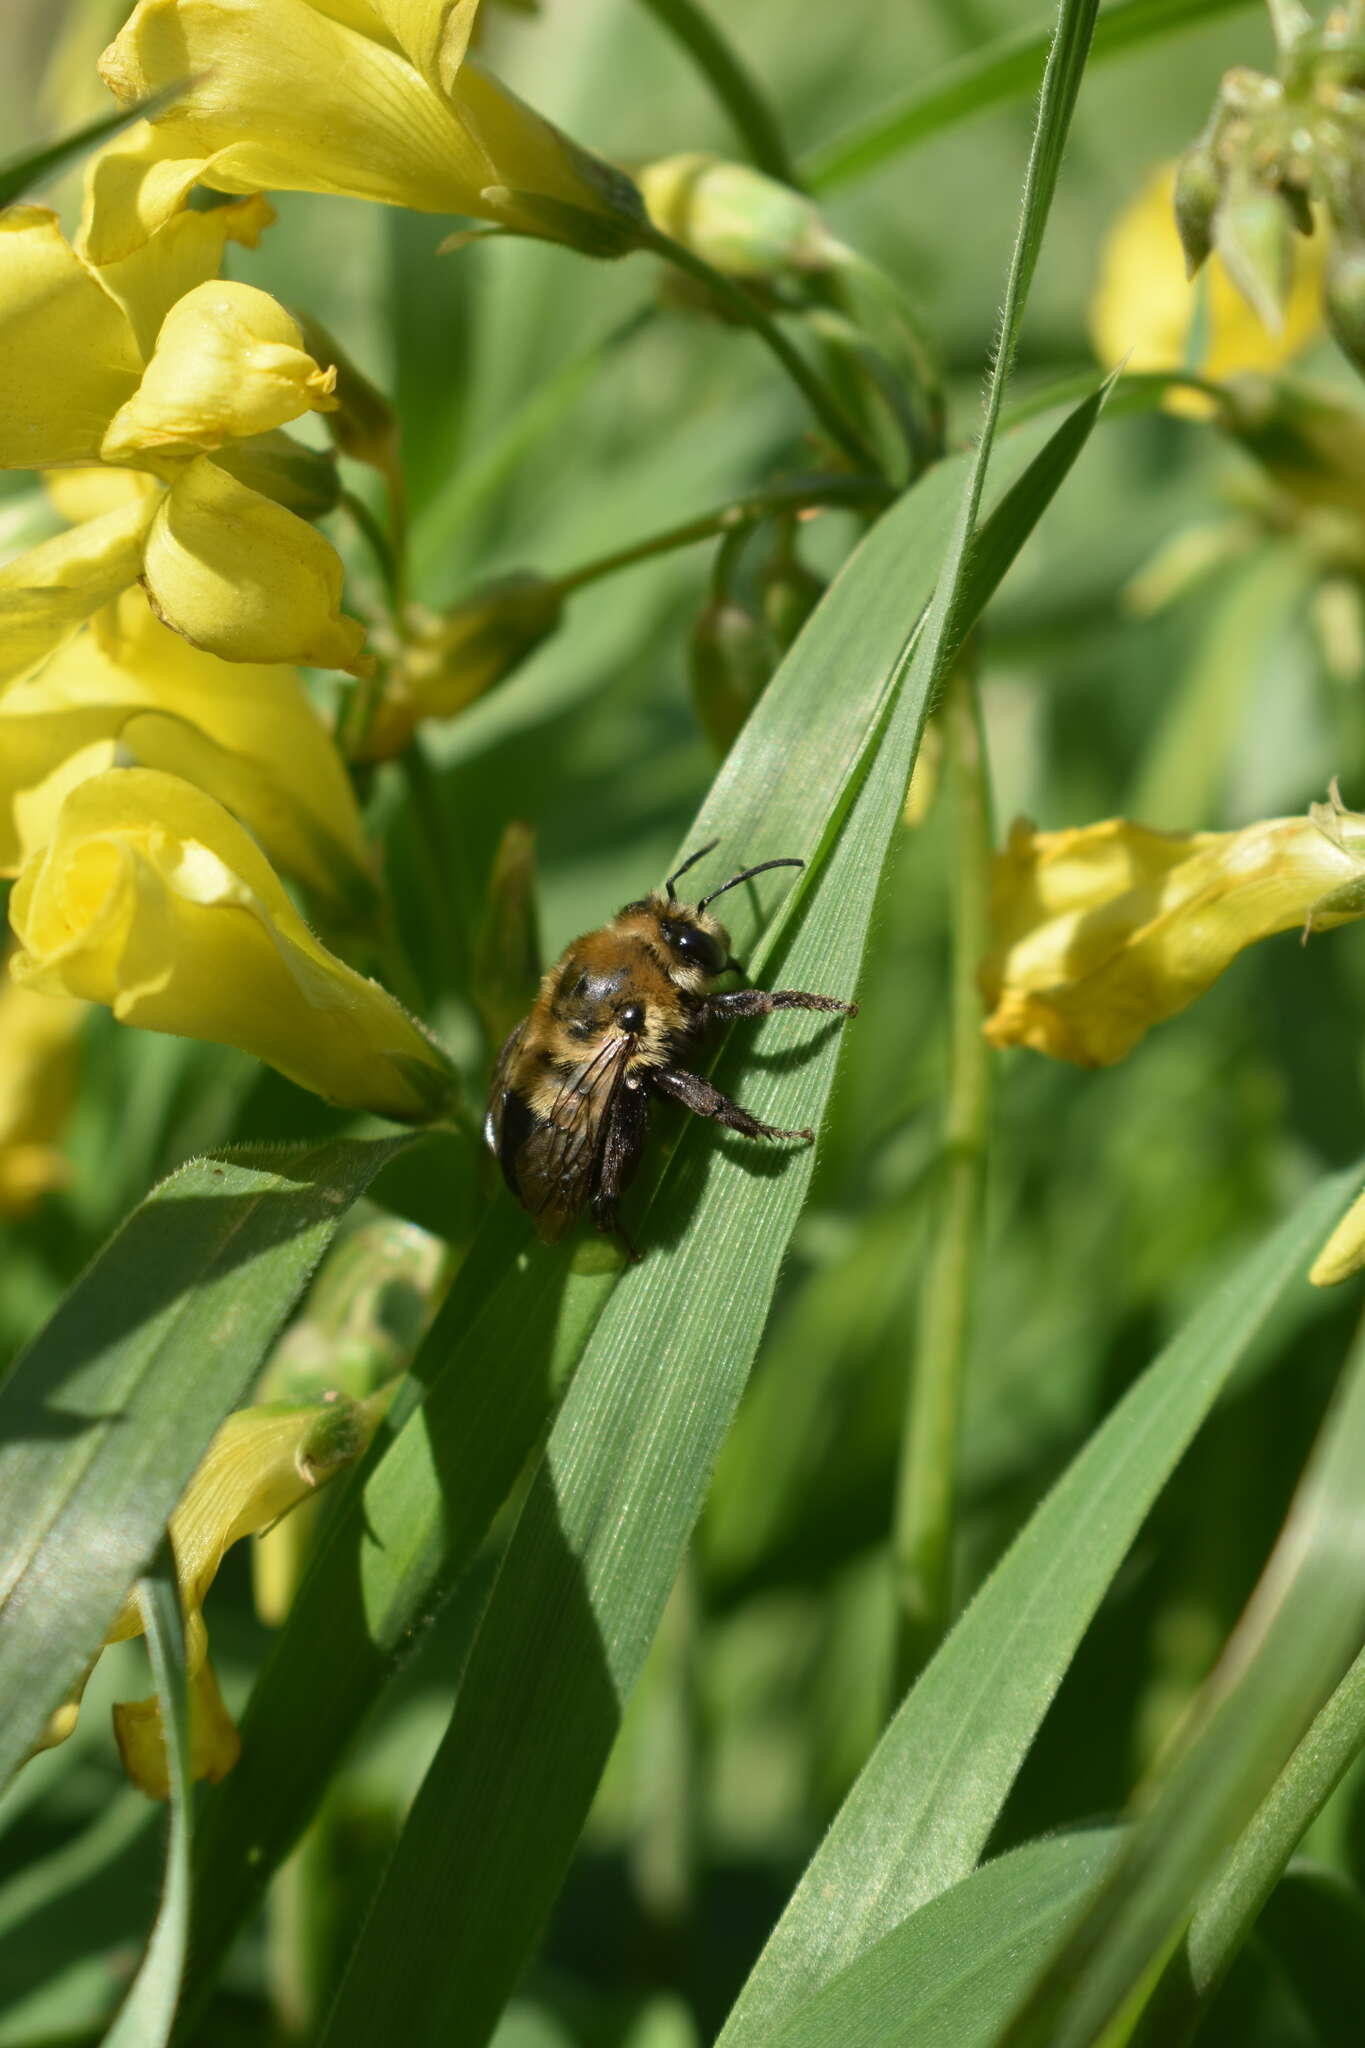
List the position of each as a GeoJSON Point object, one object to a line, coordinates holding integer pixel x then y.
{"type": "Point", "coordinates": [556, 1162]}
{"type": "Point", "coordinates": [497, 1088]}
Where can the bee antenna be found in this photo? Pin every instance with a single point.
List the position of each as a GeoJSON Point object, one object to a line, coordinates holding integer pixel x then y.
{"type": "Point", "coordinates": [746, 875]}
{"type": "Point", "coordinates": [690, 862]}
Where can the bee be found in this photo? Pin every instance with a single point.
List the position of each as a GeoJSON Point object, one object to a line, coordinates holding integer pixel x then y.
{"type": "Point", "coordinates": [619, 1019]}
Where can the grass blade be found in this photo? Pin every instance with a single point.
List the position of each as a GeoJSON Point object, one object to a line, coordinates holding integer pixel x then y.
{"type": "Point", "coordinates": [923, 1808]}
{"type": "Point", "coordinates": [1304, 1626]}
{"type": "Point", "coordinates": [106, 1415]}
{"type": "Point", "coordinates": [1006, 69]}
{"type": "Point", "coordinates": [949, 1975]}
{"type": "Point", "coordinates": [146, 2016]}
{"type": "Point", "coordinates": [21, 173]}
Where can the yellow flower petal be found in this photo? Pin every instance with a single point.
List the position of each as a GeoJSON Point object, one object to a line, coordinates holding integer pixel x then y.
{"type": "Point", "coordinates": [152, 899]}
{"type": "Point", "coordinates": [297, 97]}
{"type": "Point", "coordinates": [1344, 1252]}
{"type": "Point", "coordinates": [47, 592]}
{"type": "Point", "coordinates": [229, 362]}
{"type": "Point", "coordinates": [1103, 931]}
{"type": "Point", "coordinates": [81, 494]}
{"type": "Point", "coordinates": [215, 1744]}
{"type": "Point", "coordinates": [1146, 311]}
{"type": "Point", "coordinates": [188, 251]}
{"type": "Point", "coordinates": [38, 1068]}
{"type": "Point", "coordinates": [70, 357]}
{"type": "Point", "coordinates": [244, 579]}
{"type": "Point", "coordinates": [246, 732]}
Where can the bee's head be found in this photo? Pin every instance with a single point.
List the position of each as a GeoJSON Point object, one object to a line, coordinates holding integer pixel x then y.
{"type": "Point", "coordinates": [696, 940]}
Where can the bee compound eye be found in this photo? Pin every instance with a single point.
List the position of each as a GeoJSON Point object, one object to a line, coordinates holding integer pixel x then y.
{"type": "Point", "coordinates": [631, 1018]}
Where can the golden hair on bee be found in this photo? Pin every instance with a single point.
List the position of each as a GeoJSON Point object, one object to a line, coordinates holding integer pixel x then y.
{"type": "Point", "coordinates": [620, 1018]}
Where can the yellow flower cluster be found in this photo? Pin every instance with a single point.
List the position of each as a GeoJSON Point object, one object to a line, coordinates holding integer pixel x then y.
{"type": "Point", "coordinates": [160, 757]}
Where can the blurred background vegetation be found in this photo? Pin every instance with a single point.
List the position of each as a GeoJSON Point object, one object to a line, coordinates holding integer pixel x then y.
{"type": "Point", "coordinates": [551, 412]}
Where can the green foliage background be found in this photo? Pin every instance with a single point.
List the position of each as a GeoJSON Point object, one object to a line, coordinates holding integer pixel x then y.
{"type": "Point", "coordinates": [552, 413]}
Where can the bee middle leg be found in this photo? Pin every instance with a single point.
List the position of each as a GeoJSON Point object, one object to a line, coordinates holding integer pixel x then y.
{"type": "Point", "coordinates": [703, 1100]}
{"type": "Point", "coordinates": [622, 1144]}
{"type": "Point", "coordinates": [761, 1002]}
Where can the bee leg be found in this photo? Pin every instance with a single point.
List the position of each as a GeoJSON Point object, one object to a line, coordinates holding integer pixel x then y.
{"type": "Point", "coordinates": [760, 1002]}
{"type": "Point", "coordinates": [704, 1100]}
{"type": "Point", "coordinates": [622, 1144]}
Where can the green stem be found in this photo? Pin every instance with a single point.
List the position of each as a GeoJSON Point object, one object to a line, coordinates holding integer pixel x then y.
{"type": "Point", "coordinates": [926, 1502]}
{"type": "Point", "coordinates": [794, 495]}
{"type": "Point", "coordinates": [745, 309]}
{"type": "Point", "coordinates": [733, 84]}
{"type": "Point", "coordinates": [380, 546]}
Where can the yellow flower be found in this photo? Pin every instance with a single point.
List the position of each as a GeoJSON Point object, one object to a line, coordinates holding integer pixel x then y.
{"type": "Point", "coordinates": [1105, 930]}
{"type": "Point", "coordinates": [149, 897]}
{"type": "Point", "coordinates": [246, 732]}
{"type": "Point", "coordinates": [262, 1462]}
{"type": "Point", "coordinates": [37, 1087]}
{"type": "Point", "coordinates": [155, 364]}
{"type": "Point", "coordinates": [1344, 1252]}
{"type": "Point", "coordinates": [371, 98]}
{"type": "Point", "coordinates": [1146, 314]}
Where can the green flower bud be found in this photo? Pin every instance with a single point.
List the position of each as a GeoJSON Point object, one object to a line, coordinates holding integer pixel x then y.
{"type": "Point", "coordinates": [1344, 295]}
{"type": "Point", "coordinates": [303, 480]}
{"type": "Point", "coordinates": [730, 660]}
{"type": "Point", "coordinates": [364, 425]}
{"type": "Point", "coordinates": [736, 218]}
{"type": "Point", "coordinates": [507, 958]}
{"type": "Point", "coordinates": [791, 592]}
{"type": "Point", "coordinates": [1252, 231]}
{"type": "Point", "coordinates": [1198, 189]}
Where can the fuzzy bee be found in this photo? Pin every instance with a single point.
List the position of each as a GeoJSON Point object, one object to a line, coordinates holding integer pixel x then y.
{"type": "Point", "coordinates": [618, 1019]}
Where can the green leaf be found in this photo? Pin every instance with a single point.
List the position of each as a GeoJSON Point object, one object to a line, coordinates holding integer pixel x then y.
{"type": "Point", "coordinates": [106, 1415]}
{"type": "Point", "coordinates": [1006, 69]}
{"type": "Point", "coordinates": [608, 1516]}
{"type": "Point", "coordinates": [21, 173]}
{"type": "Point", "coordinates": [517, 1319]}
{"type": "Point", "coordinates": [1302, 1629]}
{"type": "Point", "coordinates": [925, 1803]}
{"type": "Point", "coordinates": [148, 2012]}
{"type": "Point", "coordinates": [949, 1976]}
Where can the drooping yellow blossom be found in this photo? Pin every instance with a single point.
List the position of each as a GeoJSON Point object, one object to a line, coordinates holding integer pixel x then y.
{"type": "Point", "coordinates": [263, 1461]}
{"type": "Point", "coordinates": [1147, 315]}
{"type": "Point", "coordinates": [155, 364]}
{"type": "Point", "coordinates": [1103, 931]}
{"type": "Point", "coordinates": [371, 98]}
{"type": "Point", "coordinates": [149, 897]}
{"type": "Point", "coordinates": [123, 687]}
{"type": "Point", "coordinates": [38, 1037]}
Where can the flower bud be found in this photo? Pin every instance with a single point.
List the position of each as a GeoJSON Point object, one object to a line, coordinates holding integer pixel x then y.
{"type": "Point", "coordinates": [731, 657]}
{"type": "Point", "coordinates": [736, 218]}
{"type": "Point", "coordinates": [1344, 295]}
{"type": "Point", "coordinates": [791, 592]}
{"type": "Point", "coordinates": [1198, 189]}
{"type": "Point", "coordinates": [1307, 440]}
{"type": "Point", "coordinates": [454, 657]}
{"type": "Point", "coordinates": [362, 424]}
{"type": "Point", "coordinates": [507, 957]}
{"type": "Point", "coordinates": [1252, 231]}
{"type": "Point", "coordinates": [303, 480]}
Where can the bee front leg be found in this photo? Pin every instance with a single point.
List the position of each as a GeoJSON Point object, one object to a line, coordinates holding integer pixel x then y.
{"type": "Point", "coordinates": [761, 1002]}
{"type": "Point", "coordinates": [704, 1100]}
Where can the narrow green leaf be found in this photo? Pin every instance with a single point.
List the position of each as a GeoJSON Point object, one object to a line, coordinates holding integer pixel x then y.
{"type": "Point", "coordinates": [1302, 1629]}
{"type": "Point", "coordinates": [949, 1976]}
{"type": "Point", "coordinates": [517, 1320]}
{"type": "Point", "coordinates": [1314, 1926]}
{"type": "Point", "coordinates": [608, 1516]}
{"type": "Point", "coordinates": [1006, 69]}
{"type": "Point", "coordinates": [21, 173]}
{"type": "Point", "coordinates": [925, 1803]}
{"type": "Point", "coordinates": [108, 1412]}
{"type": "Point", "coordinates": [146, 2016]}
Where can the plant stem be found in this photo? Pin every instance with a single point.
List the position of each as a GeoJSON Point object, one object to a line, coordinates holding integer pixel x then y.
{"type": "Point", "coordinates": [733, 84]}
{"type": "Point", "coordinates": [926, 1501]}
{"type": "Point", "coordinates": [380, 546]}
{"type": "Point", "coordinates": [794, 495]}
{"type": "Point", "coordinates": [744, 308]}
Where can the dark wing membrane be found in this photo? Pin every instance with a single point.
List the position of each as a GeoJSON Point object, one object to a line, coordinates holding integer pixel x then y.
{"type": "Point", "coordinates": [556, 1162]}
{"type": "Point", "coordinates": [498, 1095]}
